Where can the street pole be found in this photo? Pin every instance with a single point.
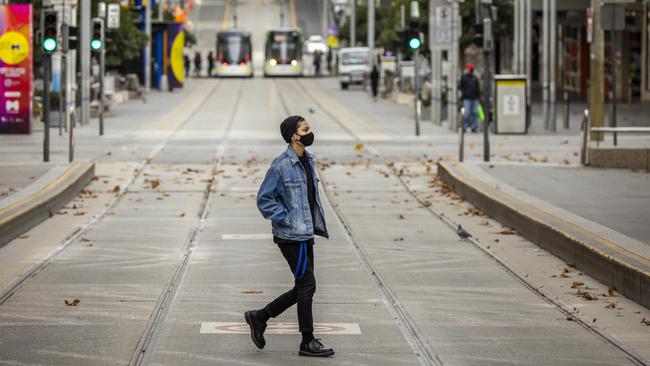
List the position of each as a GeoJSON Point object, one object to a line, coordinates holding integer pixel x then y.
{"type": "Point", "coordinates": [614, 62]}
{"type": "Point", "coordinates": [47, 74]}
{"type": "Point", "coordinates": [282, 5]}
{"type": "Point", "coordinates": [371, 32]}
{"type": "Point", "coordinates": [529, 53]}
{"type": "Point", "coordinates": [418, 107]}
{"type": "Point", "coordinates": [516, 55]}
{"type": "Point", "coordinates": [435, 68]}
{"type": "Point", "coordinates": [102, 65]}
{"type": "Point", "coordinates": [452, 57]}
{"type": "Point", "coordinates": [545, 62]}
{"type": "Point", "coordinates": [553, 65]}
{"type": "Point", "coordinates": [353, 23]}
{"type": "Point", "coordinates": [487, 55]}
{"type": "Point", "coordinates": [84, 57]}
{"type": "Point", "coordinates": [324, 18]}
{"type": "Point", "coordinates": [147, 47]}
{"type": "Point", "coordinates": [597, 56]}
{"type": "Point", "coordinates": [234, 13]}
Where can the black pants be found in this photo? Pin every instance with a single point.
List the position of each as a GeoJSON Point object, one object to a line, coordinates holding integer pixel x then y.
{"type": "Point", "coordinates": [300, 257]}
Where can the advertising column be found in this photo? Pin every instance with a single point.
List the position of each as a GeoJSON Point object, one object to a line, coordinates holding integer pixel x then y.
{"type": "Point", "coordinates": [15, 68]}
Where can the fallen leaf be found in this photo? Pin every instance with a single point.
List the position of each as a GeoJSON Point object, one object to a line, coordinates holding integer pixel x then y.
{"type": "Point", "coordinates": [23, 236]}
{"type": "Point", "coordinates": [358, 147]}
{"type": "Point", "coordinates": [182, 214]}
{"type": "Point", "coordinates": [645, 321]}
{"type": "Point", "coordinates": [611, 292]}
{"type": "Point", "coordinates": [508, 231]}
{"type": "Point", "coordinates": [252, 291]}
{"type": "Point", "coordinates": [74, 302]}
{"type": "Point", "coordinates": [155, 183]}
{"type": "Point", "coordinates": [401, 217]}
{"type": "Point", "coordinates": [577, 284]}
{"type": "Point", "coordinates": [117, 189]}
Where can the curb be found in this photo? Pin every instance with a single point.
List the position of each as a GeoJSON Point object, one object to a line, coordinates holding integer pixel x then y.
{"type": "Point", "coordinates": [42, 199]}
{"type": "Point", "coordinates": [593, 248]}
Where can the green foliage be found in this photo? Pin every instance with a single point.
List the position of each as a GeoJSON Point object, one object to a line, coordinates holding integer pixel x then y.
{"type": "Point", "coordinates": [502, 27]}
{"type": "Point", "coordinates": [387, 22]}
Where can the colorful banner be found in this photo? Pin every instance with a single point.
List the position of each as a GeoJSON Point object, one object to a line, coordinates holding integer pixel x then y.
{"type": "Point", "coordinates": [15, 68]}
{"type": "Point", "coordinates": [175, 45]}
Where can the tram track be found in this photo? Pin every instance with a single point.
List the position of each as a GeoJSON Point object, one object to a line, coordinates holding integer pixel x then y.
{"type": "Point", "coordinates": [49, 258]}
{"type": "Point", "coordinates": [143, 352]}
{"type": "Point", "coordinates": [425, 351]}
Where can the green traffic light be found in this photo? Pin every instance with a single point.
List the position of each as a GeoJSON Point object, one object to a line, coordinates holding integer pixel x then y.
{"type": "Point", "coordinates": [49, 44]}
{"type": "Point", "coordinates": [414, 43]}
{"type": "Point", "coordinates": [96, 44]}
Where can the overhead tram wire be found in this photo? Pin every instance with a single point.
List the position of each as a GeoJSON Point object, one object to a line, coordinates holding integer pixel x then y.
{"type": "Point", "coordinates": [143, 352]}
{"type": "Point", "coordinates": [14, 286]}
{"type": "Point", "coordinates": [565, 309]}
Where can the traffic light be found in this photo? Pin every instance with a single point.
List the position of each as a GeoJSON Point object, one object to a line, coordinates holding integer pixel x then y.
{"type": "Point", "coordinates": [49, 31]}
{"type": "Point", "coordinates": [478, 35]}
{"type": "Point", "coordinates": [414, 41]}
{"type": "Point", "coordinates": [97, 40]}
{"type": "Point", "coordinates": [69, 38]}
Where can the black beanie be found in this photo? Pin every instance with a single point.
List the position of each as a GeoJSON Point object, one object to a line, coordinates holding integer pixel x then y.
{"type": "Point", "coordinates": [289, 126]}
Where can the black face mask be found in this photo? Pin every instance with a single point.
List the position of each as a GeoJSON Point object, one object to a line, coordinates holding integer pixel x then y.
{"type": "Point", "coordinates": [307, 139]}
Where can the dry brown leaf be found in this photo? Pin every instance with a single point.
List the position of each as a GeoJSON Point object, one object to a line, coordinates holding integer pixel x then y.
{"type": "Point", "coordinates": [74, 302]}
{"type": "Point", "coordinates": [117, 189]}
{"type": "Point", "coordinates": [577, 284]}
{"type": "Point", "coordinates": [181, 214]}
{"type": "Point", "coordinates": [155, 183]}
{"type": "Point", "coordinates": [358, 147]}
{"type": "Point", "coordinates": [252, 291]}
{"type": "Point", "coordinates": [508, 231]}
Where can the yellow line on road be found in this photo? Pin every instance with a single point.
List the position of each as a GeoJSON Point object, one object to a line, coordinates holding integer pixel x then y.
{"type": "Point", "coordinates": [292, 11]}
{"type": "Point", "coordinates": [226, 14]}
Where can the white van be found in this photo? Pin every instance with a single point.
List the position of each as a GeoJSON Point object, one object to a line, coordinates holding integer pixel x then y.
{"type": "Point", "coordinates": [353, 65]}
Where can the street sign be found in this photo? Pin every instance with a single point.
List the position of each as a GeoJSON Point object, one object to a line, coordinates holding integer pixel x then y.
{"type": "Point", "coordinates": [442, 29]}
{"type": "Point", "coordinates": [101, 10]}
{"type": "Point", "coordinates": [113, 17]}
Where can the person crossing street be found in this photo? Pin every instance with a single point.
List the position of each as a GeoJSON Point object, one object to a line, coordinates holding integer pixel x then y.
{"type": "Point", "coordinates": [289, 198]}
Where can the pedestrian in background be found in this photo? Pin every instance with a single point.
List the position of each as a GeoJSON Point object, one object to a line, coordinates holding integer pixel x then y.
{"type": "Point", "coordinates": [186, 64]}
{"type": "Point", "coordinates": [317, 61]}
{"type": "Point", "coordinates": [210, 63]}
{"type": "Point", "coordinates": [374, 81]}
{"type": "Point", "coordinates": [197, 63]}
{"type": "Point", "coordinates": [289, 198]}
{"type": "Point", "coordinates": [470, 89]}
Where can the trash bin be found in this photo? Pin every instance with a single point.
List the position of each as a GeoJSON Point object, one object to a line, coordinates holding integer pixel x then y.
{"type": "Point", "coordinates": [511, 104]}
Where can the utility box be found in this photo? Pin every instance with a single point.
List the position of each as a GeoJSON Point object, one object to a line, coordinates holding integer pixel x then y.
{"type": "Point", "coordinates": [511, 105]}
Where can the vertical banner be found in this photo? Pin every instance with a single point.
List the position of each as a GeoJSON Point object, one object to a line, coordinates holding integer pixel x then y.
{"type": "Point", "coordinates": [15, 68]}
{"type": "Point", "coordinates": [175, 45]}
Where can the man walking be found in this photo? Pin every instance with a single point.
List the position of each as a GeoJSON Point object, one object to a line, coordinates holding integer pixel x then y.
{"type": "Point", "coordinates": [289, 198]}
{"type": "Point", "coordinates": [471, 91]}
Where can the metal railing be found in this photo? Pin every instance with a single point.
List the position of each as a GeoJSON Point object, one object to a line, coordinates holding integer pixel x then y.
{"type": "Point", "coordinates": [586, 130]}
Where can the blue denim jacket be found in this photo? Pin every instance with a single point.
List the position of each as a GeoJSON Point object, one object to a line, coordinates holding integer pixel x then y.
{"type": "Point", "coordinates": [282, 198]}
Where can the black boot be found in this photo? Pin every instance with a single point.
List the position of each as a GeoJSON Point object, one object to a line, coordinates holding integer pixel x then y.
{"type": "Point", "coordinates": [315, 349]}
{"type": "Point", "coordinates": [257, 328]}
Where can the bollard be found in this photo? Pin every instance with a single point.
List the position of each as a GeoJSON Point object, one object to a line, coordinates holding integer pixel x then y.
{"type": "Point", "coordinates": [585, 127]}
{"type": "Point", "coordinates": [567, 110]}
{"type": "Point", "coordinates": [461, 137]}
